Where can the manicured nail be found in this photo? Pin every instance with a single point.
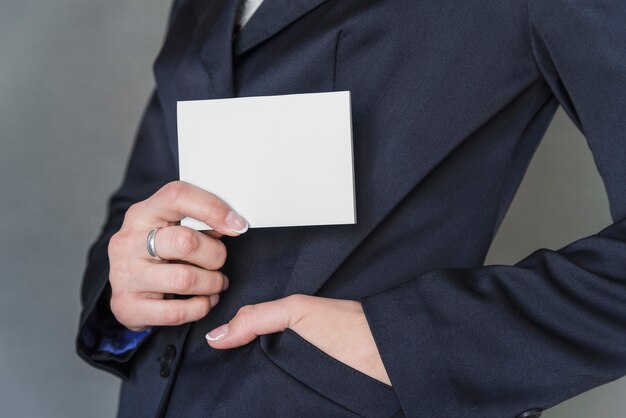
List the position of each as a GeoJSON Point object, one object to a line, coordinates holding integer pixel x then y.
{"type": "Point", "coordinates": [236, 222]}
{"type": "Point", "coordinates": [214, 299]}
{"type": "Point", "coordinates": [218, 333]}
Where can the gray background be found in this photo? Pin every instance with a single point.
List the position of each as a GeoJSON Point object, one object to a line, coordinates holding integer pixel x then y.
{"type": "Point", "coordinates": [74, 79]}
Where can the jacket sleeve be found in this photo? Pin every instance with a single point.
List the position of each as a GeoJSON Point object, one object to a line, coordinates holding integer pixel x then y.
{"type": "Point", "coordinates": [502, 341]}
{"type": "Point", "coordinates": [100, 339]}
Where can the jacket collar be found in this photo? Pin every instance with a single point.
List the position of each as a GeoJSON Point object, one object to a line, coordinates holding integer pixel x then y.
{"type": "Point", "coordinates": [213, 37]}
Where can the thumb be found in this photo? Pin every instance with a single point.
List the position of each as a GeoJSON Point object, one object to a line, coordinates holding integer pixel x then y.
{"type": "Point", "coordinates": [254, 320]}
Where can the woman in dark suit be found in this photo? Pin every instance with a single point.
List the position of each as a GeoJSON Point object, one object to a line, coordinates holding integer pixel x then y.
{"type": "Point", "coordinates": [395, 315]}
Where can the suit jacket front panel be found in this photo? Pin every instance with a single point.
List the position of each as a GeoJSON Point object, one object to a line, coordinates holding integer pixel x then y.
{"type": "Point", "coordinates": [441, 122]}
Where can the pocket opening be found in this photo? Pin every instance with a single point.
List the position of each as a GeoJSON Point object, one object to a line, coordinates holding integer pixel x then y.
{"type": "Point", "coordinates": [328, 376]}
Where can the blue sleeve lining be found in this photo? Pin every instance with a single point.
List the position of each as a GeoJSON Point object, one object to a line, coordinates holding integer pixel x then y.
{"type": "Point", "coordinates": [119, 341]}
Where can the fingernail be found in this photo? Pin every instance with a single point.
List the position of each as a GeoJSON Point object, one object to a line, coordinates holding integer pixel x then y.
{"type": "Point", "coordinates": [226, 283]}
{"type": "Point", "coordinates": [218, 333]}
{"type": "Point", "coordinates": [236, 222]}
{"type": "Point", "coordinates": [214, 299]}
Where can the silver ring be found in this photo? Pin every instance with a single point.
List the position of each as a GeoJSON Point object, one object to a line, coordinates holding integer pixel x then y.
{"type": "Point", "coordinates": [151, 246]}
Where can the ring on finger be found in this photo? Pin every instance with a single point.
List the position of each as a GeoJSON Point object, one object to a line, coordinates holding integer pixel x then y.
{"type": "Point", "coordinates": [151, 244]}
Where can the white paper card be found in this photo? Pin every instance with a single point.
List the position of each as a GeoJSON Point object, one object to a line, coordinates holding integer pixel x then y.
{"type": "Point", "coordinates": [277, 160]}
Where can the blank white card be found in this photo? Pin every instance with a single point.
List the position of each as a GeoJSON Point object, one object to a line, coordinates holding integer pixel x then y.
{"type": "Point", "coordinates": [277, 160]}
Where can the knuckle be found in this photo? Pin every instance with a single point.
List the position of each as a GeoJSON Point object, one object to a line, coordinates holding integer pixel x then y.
{"type": "Point", "coordinates": [115, 243]}
{"type": "Point", "coordinates": [133, 211]}
{"type": "Point", "coordinates": [245, 314]}
{"type": "Point", "coordinates": [119, 246]}
{"type": "Point", "coordinates": [116, 305]}
{"type": "Point", "coordinates": [174, 191]}
{"type": "Point", "coordinates": [184, 241]}
{"type": "Point", "coordinates": [245, 310]}
{"type": "Point", "coordinates": [220, 281]}
{"type": "Point", "coordinates": [182, 279]}
{"type": "Point", "coordinates": [297, 298]}
{"type": "Point", "coordinates": [171, 316]}
{"type": "Point", "coordinates": [121, 306]}
{"type": "Point", "coordinates": [203, 308]}
{"type": "Point", "coordinates": [214, 207]}
{"type": "Point", "coordinates": [220, 254]}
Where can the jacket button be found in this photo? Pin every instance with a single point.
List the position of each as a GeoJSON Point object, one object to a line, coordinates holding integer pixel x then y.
{"type": "Point", "coordinates": [166, 360]}
{"type": "Point", "coordinates": [531, 413]}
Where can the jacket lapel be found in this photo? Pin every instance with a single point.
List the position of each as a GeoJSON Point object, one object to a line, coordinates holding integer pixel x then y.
{"type": "Point", "coordinates": [270, 18]}
{"type": "Point", "coordinates": [213, 40]}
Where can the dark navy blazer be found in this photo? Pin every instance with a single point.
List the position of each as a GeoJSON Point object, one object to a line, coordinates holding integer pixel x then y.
{"type": "Point", "coordinates": [450, 99]}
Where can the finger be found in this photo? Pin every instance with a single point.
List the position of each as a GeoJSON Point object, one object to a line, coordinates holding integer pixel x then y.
{"type": "Point", "coordinates": [213, 234]}
{"type": "Point", "coordinates": [178, 199]}
{"type": "Point", "coordinates": [160, 312]}
{"type": "Point", "coordinates": [182, 243]}
{"type": "Point", "coordinates": [180, 279]}
{"type": "Point", "coordinates": [254, 320]}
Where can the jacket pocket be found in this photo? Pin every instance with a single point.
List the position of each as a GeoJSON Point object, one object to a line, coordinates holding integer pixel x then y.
{"type": "Point", "coordinates": [330, 377]}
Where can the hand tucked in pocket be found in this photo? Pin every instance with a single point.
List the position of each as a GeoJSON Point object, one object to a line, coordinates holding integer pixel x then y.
{"type": "Point", "coordinates": [337, 327]}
